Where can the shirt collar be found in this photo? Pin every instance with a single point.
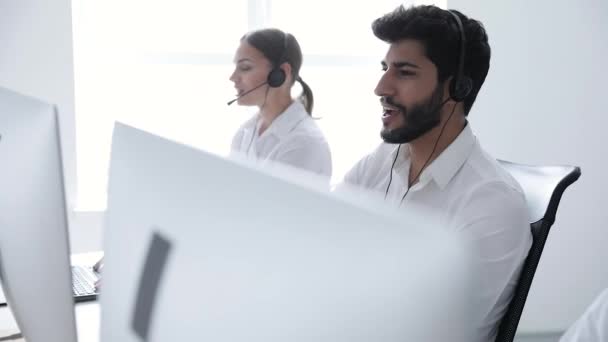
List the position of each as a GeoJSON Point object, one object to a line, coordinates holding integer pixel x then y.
{"type": "Point", "coordinates": [445, 166]}
{"type": "Point", "coordinates": [288, 120]}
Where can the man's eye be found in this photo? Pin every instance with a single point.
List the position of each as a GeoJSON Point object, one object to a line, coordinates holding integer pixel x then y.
{"type": "Point", "coordinates": [406, 73]}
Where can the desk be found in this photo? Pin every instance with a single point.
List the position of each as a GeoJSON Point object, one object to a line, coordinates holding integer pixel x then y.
{"type": "Point", "coordinates": [87, 313]}
{"type": "Point", "coordinates": [87, 322]}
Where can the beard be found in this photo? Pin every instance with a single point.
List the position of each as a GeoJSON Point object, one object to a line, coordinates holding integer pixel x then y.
{"type": "Point", "coordinates": [419, 118]}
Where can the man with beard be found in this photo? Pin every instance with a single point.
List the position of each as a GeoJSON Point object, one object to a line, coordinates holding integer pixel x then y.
{"type": "Point", "coordinates": [436, 63]}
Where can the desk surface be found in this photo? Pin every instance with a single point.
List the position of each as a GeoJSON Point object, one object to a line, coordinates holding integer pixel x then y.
{"type": "Point", "coordinates": [87, 313]}
{"type": "Point", "coordinates": [87, 322]}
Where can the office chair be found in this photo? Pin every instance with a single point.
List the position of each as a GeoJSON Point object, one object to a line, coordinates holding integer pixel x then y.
{"type": "Point", "coordinates": [543, 187]}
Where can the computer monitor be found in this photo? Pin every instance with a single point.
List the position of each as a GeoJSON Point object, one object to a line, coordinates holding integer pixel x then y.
{"type": "Point", "coordinates": [34, 244]}
{"type": "Point", "coordinates": [200, 248]}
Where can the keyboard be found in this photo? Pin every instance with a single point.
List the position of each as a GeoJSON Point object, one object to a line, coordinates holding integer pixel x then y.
{"type": "Point", "coordinates": [83, 283]}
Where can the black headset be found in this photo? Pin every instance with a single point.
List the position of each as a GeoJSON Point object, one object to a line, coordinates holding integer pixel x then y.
{"type": "Point", "coordinates": [461, 85]}
{"type": "Point", "coordinates": [460, 88]}
{"type": "Point", "coordinates": [276, 76]}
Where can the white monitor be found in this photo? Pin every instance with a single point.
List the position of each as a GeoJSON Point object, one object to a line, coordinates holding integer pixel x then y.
{"type": "Point", "coordinates": [34, 244]}
{"type": "Point", "coordinates": [200, 248]}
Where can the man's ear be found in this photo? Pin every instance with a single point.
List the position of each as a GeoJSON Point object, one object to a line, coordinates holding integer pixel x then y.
{"type": "Point", "coordinates": [449, 102]}
{"type": "Point", "coordinates": [446, 89]}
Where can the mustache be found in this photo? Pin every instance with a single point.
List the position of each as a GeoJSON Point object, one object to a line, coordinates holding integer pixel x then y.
{"type": "Point", "coordinates": [390, 101]}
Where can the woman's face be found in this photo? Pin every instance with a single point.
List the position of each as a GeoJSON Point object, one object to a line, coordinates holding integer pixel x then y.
{"type": "Point", "coordinates": [251, 70]}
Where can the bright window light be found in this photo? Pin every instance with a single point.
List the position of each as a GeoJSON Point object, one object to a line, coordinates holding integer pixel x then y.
{"type": "Point", "coordinates": [164, 65]}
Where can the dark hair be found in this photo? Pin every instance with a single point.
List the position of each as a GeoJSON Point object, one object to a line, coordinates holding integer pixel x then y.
{"type": "Point", "coordinates": [438, 32]}
{"type": "Point", "coordinates": [280, 47]}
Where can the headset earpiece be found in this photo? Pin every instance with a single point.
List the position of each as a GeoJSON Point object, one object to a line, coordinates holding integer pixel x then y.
{"type": "Point", "coordinates": [461, 85]}
{"type": "Point", "coordinates": [277, 76]}
{"type": "Point", "coordinates": [460, 89]}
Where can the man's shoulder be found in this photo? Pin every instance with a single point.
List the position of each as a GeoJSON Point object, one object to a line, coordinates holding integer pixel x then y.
{"type": "Point", "coordinates": [483, 170]}
{"type": "Point", "coordinates": [484, 188]}
{"type": "Point", "coordinates": [483, 185]}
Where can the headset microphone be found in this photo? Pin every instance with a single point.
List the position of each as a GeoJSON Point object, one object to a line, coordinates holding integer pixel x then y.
{"type": "Point", "coordinates": [247, 92]}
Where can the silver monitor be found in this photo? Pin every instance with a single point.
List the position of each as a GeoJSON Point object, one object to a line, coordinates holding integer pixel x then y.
{"type": "Point", "coordinates": [200, 248]}
{"type": "Point", "coordinates": [34, 244]}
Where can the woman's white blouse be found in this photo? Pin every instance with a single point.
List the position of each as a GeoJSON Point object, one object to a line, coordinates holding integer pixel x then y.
{"type": "Point", "coordinates": [293, 138]}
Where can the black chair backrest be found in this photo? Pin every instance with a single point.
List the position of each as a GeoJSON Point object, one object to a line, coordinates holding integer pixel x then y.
{"type": "Point", "coordinates": [543, 187]}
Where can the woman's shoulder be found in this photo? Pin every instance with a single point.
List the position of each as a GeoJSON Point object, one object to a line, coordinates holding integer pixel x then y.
{"type": "Point", "coordinates": [249, 123]}
{"type": "Point", "coordinates": [308, 130]}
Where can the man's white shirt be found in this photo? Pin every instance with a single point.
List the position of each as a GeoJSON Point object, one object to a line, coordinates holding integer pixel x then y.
{"type": "Point", "coordinates": [470, 193]}
{"type": "Point", "coordinates": [293, 138]}
{"type": "Point", "coordinates": [592, 326]}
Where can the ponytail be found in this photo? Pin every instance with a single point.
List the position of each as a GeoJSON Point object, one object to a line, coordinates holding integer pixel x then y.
{"type": "Point", "coordinates": [306, 97]}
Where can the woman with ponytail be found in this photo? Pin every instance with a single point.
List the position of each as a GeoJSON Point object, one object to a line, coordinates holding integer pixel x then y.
{"type": "Point", "coordinates": [268, 64]}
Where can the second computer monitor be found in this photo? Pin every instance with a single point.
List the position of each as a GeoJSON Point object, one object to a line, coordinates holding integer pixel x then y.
{"type": "Point", "coordinates": [34, 244]}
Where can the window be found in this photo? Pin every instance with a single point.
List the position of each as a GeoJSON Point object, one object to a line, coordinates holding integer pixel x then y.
{"type": "Point", "coordinates": [163, 66]}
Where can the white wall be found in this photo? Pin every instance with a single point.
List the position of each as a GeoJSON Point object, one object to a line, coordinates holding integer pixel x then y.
{"type": "Point", "coordinates": [36, 59]}
{"type": "Point", "coordinates": [544, 102]}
